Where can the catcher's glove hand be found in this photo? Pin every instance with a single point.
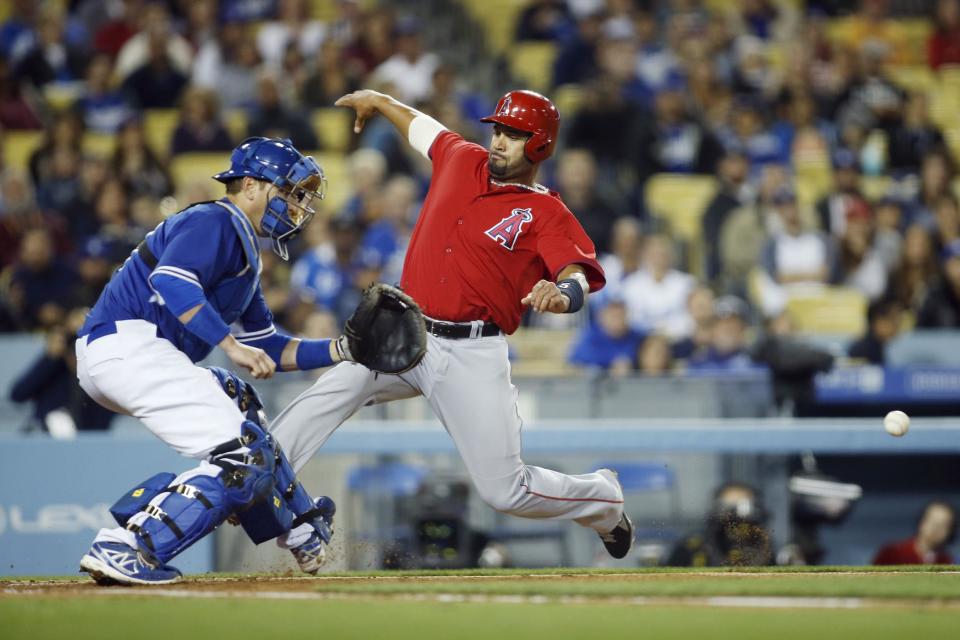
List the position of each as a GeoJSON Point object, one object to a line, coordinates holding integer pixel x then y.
{"type": "Point", "coordinates": [386, 332]}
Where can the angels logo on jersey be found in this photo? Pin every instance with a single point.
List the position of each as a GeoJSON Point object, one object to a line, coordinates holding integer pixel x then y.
{"type": "Point", "coordinates": [508, 230]}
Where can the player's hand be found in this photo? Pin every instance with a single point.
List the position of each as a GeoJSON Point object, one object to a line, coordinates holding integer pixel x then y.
{"type": "Point", "coordinates": [364, 102]}
{"type": "Point", "coordinates": [545, 296]}
{"type": "Point", "coordinates": [254, 360]}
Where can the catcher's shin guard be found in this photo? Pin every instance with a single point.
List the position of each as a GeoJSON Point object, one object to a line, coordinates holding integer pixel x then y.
{"type": "Point", "coordinates": [288, 507]}
{"type": "Point", "coordinates": [169, 519]}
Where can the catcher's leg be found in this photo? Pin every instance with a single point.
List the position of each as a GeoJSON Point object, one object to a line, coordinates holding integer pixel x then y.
{"type": "Point", "coordinates": [164, 516]}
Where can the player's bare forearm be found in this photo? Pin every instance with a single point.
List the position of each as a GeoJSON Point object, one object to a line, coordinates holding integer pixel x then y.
{"type": "Point", "coordinates": [367, 103]}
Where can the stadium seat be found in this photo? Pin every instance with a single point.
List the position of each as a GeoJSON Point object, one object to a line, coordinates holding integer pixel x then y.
{"type": "Point", "coordinates": [567, 99]}
{"type": "Point", "coordinates": [101, 145]}
{"type": "Point", "coordinates": [827, 310]}
{"type": "Point", "coordinates": [334, 127]}
{"type": "Point", "coordinates": [913, 77]}
{"type": "Point", "coordinates": [18, 147]}
{"type": "Point", "coordinates": [498, 19]}
{"type": "Point", "coordinates": [680, 200]}
{"type": "Point", "coordinates": [186, 168]}
{"type": "Point", "coordinates": [541, 352]}
{"type": "Point", "coordinates": [339, 182]}
{"type": "Point", "coordinates": [531, 63]}
{"type": "Point", "coordinates": [159, 125]}
{"type": "Point", "coordinates": [875, 187]}
{"type": "Point", "coordinates": [235, 120]}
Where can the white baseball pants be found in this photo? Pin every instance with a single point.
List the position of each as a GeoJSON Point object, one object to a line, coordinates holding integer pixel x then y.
{"type": "Point", "coordinates": [467, 383]}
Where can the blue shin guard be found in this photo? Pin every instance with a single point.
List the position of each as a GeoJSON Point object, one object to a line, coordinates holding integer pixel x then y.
{"type": "Point", "coordinates": [240, 473]}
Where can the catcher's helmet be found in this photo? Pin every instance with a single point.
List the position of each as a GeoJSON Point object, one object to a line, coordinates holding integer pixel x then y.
{"type": "Point", "coordinates": [297, 177]}
{"type": "Point", "coordinates": [531, 112]}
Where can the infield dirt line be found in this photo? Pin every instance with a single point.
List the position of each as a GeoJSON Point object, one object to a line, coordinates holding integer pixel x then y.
{"type": "Point", "coordinates": [755, 602]}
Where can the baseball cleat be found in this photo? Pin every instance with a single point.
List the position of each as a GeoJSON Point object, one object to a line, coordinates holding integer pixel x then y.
{"type": "Point", "coordinates": [310, 555]}
{"type": "Point", "coordinates": [619, 540]}
{"type": "Point", "coordinates": [117, 563]}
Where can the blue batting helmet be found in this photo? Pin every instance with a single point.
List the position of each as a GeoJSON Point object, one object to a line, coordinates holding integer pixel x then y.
{"type": "Point", "coordinates": [298, 178]}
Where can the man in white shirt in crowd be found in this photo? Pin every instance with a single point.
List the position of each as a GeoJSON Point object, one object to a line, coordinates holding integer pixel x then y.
{"type": "Point", "coordinates": [656, 295]}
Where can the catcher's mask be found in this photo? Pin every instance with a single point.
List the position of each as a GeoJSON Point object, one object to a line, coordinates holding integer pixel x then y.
{"type": "Point", "coordinates": [297, 179]}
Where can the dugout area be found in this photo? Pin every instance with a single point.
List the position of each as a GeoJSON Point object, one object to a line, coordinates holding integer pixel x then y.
{"type": "Point", "coordinates": [742, 603]}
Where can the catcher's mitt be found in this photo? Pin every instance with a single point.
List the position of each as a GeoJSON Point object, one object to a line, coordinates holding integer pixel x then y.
{"type": "Point", "coordinates": [386, 332]}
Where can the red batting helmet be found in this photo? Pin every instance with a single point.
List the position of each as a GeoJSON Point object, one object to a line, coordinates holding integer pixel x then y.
{"type": "Point", "coordinates": [531, 112]}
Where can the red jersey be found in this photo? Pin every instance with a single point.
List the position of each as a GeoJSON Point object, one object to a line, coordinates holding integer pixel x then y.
{"type": "Point", "coordinates": [906, 553]}
{"type": "Point", "coordinates": [479, 247]}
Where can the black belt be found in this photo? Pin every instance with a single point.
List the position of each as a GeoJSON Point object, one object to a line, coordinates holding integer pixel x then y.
{"type": "Point", "coordinates": [461, 330]}
{"type": "Point", "coordinates": [146, 255]}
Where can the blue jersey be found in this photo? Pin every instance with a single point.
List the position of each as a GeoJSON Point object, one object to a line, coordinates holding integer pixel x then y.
{"type": "Point", "coordinates": [206, 254]}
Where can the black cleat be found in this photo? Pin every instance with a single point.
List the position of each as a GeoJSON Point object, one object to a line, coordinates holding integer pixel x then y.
{"type": "Point", "coordinates": [619, 541]}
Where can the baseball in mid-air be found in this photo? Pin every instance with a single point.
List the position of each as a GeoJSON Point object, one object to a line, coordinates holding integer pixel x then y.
{"type": "Point", "coordinates": [896, 423]}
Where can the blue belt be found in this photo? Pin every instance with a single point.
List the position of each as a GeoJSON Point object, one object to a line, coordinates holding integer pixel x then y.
{"type": "Point", "coordinates": [100, 330]}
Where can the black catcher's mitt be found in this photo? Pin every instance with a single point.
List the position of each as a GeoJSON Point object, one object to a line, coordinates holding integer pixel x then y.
{"type": "Point", "coordinates": [386, 332]}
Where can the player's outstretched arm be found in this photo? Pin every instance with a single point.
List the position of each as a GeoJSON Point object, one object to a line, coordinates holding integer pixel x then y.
{"type": "Point", "coordinates": [418, 128]}
{"type": "Point", "coordinates": [567, 295]}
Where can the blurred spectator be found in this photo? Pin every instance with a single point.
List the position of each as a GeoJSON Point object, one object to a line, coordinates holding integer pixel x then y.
{"type": "Point", "coordinates": [626, 238]}
{"type": "Point", "coordinates": [201, 23]}
{"type": "Point", "coordinates": [727, 349]}
{"type": "Point", "coordinates": [701, 306]}
{"type": "Point", "coordinates": [79, 212]}
{"type": "Point", "coordinates": [832, 208]}
{"type": "Point", "coordinates": [51, 59]}
{"type": "Point", "coordinates": [120, 27]}
{"type": "Point", "coordinates": [873, 99]}
{"type": "Point", "coordinates": [654, 357]}
{"type": "Point", "coordinates": [16, 33]}
{"type": "Point", "coordinates": [734, 533]}
{"type": "Point", "coordinates": [228, 66]}
{"type": "Point", "coordinates": [794, 255]}
{"type": "Point", "coordinates": [471, 105]}
{"type": "Point", "coordinates": [61, 186]}
{"type": "Point", "coordinates": [18, 214]}
{"type": "Point", "coordinates": [103, 106]}
{"type": "Point", "coordinates": [656, 295]}
{"type": "Point", "coordinates": [946, 221]}
{"type": "Point", "coordinates": [40, 282]}
{"type": "Point", "coordinates": [271, 119]}
{"type": "Point", "coordinates": [156, 25]}
{"type": "Point", "coordinates": [578, 185]}
{"type": "Point", "coordinates": [657, 65]}
{"type": "Point", "coordinates": [247, 10]}
{"type": "Point", "coordinates": [410, 69]}
{"type": "Point", "coordinates": [94, 268]}
{"type": "Point", "coordinates": [936, 175]}
{"type": "Point", "coordinates": [544, 20]}
{"type": "Point", "coordinates": [751, 135]}
{"type": "Point", "coordinates": [910, 281]}
{"type": "Point", "coordinates": [883, 325]}
{"type": "Point", "coordinates": [331, 76]}
{"type": "Point", "coordinates": [368, 169]}
{"type": "Point", "coordinates": [605, 125]}
{"type": "Point", "coordinates": [200, 127]}
{"type": "Point", "coordinates": [65, 132]}
{"type": "Point", "coordinates": [294, 26]}
{"type": "Point", "coordinates": [157, 84]}
{"type": "Point", "coordinates": [372, 43]}
{"type": "Point", "coordinates": [860, 263]}
{"type": "Point", "coordinates": [913, 136]}
{"type": "Point", "coordinates": [733, 192]}
{"type": "Point", "coordinates": [138, 165]}
{"type": "Point", "coordinates": [936, 530]}
{"type": "Point", "coordinates": [805, 135]}
{"type": "Point", "coordinates": [576, 59]}
{"type": "Point", "coordinates": [765, 19]}
{"type": "Point", "coordinates": [673, 142]}
{"type": "Point", "coordinates": [324, 275]}
{"type": "Point", "coordinates": [16, 110]}
{"type": "Point", "coordinates": [616, 62]}
{"type": "Point", "coordinates": [385, 239]}
{"type": "Point", "coordinates": [941, 306]}
{"type": "Point", "coordinates": [321, 325]}
{"type": "Point", "coordinates": [112, 210]}
{"type": "Point", "coordinates": [943, 47]}
{"type": "Point", "coordinates": [609, 344]}
{"type": "Point", "coordinates": [59, 406]}
{"type": "Point", "coordinates": [754, 78]}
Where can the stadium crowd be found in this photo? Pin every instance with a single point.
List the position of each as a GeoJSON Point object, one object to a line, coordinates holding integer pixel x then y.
{"type": "Point", "coordinates": [829, 163]}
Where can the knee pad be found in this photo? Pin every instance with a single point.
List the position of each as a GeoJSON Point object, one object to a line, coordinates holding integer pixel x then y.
{"type": "Point", "coordinates": [169, 515]}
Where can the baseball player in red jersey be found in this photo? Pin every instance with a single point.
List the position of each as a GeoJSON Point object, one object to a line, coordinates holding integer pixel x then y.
{"type": "Point", "coordinates": [489, 242]}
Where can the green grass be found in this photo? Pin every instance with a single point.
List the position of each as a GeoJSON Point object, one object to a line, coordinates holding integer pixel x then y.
{"type": "Point", "coordinates": [925, 606]}
{"type": "Point", "coordinates": [145, 618]}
